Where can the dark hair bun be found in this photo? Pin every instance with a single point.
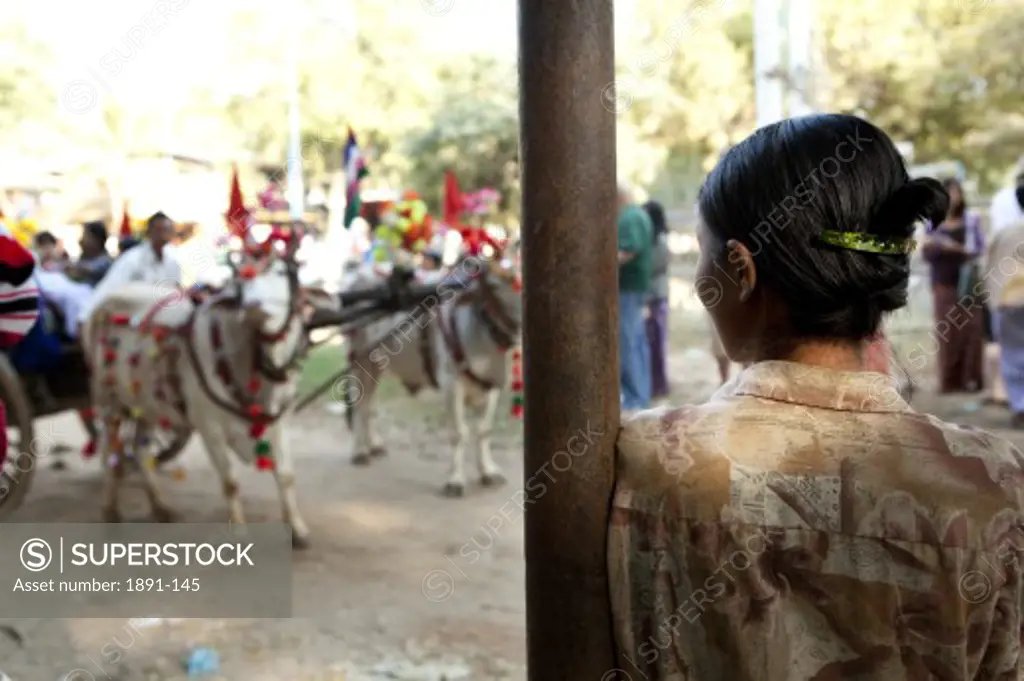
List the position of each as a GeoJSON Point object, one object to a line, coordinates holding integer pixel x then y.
{"type": "Point", "coordinates": [781, 187]}
{"type": "Point", "coordinates": [921, 198]}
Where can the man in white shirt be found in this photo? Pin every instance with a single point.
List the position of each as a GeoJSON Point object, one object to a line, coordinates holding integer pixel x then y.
{"type": "Point", "coordinates": [153, 261]}
{"type": "Point", "coordinates": [1006, 209]}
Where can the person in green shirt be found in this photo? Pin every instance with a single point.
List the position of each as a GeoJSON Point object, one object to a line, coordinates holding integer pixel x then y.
{"type": "Point", "coordinates": [635, 269]}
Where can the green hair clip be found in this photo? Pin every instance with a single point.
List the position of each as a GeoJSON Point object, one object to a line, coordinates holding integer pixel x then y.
{"type": "Point", "coordinates": [867, 243]}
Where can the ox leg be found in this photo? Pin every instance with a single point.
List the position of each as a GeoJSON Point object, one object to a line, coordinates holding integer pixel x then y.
{"type": "Point", "coordinates": [490, 473]}
{"type": "Point", "coordinates": [456, 394]}
{"type": "Point", "coordinates": [377, 448]}
{"type": "Point", "coordinates": [113, 457]}
{"type": "Point", "coordinates": [145, 455]}
{"type": "Point", "coordinates": [284, 474]}
{"type": "Point", "coordinates": [363, 386]}
{"type": "Point", "coordinates": [215, 440]}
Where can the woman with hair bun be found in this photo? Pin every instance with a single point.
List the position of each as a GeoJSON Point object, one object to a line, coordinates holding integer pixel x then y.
{"type": "Point", "coordinates": [806, 522]}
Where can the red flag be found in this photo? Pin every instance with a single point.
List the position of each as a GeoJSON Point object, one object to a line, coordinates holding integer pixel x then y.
{"type": "Point", "coordinates": [454, 202]}
{"type": "Point", "coordinates": [237, 215]}
{"type": "Point", "coordinates": [126, 223]}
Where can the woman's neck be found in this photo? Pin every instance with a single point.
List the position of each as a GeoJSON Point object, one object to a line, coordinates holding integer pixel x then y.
{"type": "Point", "coordinates": [840, 356]}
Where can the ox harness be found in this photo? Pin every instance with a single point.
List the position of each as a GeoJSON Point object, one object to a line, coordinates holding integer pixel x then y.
{"type": "Point", "coordinates": [491, 313]}
{"type": "Point", "coordinates": [500, 327]}
{"type": "Point", "coordinates": [243, 402]}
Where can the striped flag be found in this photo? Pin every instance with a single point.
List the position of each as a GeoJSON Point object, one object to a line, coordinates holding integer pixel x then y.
{"type": "Point", "coordinates": [355, 170]}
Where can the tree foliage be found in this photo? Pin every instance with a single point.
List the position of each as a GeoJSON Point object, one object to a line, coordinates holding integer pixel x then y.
{"type": "Point", "coordinates": [917, 68]}
{"type": "Point", "coordinates": [28, 104]}
{"type": "Point", "coordinates": [472, 129]}
{"type": "Point", "coordinates": [943, 74]}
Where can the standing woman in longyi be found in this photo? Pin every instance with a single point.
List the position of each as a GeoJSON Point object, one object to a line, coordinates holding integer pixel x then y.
{"type": "Point", "coordinates": [953, 248]}
{"type": "Point", "coordinates": [657, 300]}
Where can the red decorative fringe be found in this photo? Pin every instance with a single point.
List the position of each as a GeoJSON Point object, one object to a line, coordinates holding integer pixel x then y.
{"type": "Point", "coordinates": [517, 384]}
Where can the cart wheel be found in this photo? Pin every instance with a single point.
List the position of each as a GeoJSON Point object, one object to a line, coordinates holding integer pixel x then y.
{"type": "Point", "coordinates": [170, 445]}
{"type": "Point", "coordinates": [20, 463]}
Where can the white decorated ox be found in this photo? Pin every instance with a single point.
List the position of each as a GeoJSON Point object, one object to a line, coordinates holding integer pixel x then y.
{"type": "Point", "coordinates": [457, 342]}
{"type": "Point", "coordinates": [224, 366]}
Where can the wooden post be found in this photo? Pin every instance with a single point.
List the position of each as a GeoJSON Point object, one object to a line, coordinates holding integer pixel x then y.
{"type": "Point", "coordinates": [571, 361]}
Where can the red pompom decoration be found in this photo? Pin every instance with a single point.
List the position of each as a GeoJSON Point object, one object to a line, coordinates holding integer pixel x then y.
{"type": "Point", "coordinates": [517, 411]}
{"type": "Point", "coordinates": [119, 319]}
{"type": "Point", "coordinates": [517, 386]}
{"type": "Point", "coordinates": [255, 411]}
{"type": "Point", "coordinates": [257, 430]}
{"type": "Point", "coordinates": [89, 450]}
{"type": "Point", "coordinates": [109, 356]}
{"type": "Point", "coordinates": [264, 463]}
{"type": "Point", "coordinates": [254, 384]}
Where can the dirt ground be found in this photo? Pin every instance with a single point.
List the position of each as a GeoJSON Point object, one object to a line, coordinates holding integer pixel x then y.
{"type": "Point", "coordinates": [382, 593]}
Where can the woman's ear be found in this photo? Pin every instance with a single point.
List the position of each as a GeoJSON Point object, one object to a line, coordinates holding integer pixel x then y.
{"type": "Point", "coordinates": [741, 268]}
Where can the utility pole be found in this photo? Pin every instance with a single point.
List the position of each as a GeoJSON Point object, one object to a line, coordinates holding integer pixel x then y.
{"type": "Point", "coordinates": [768, 61]}
{"type": "Point", "coordinates": [784, 86]}
{"type": "Point", "coordinates": [800, 15]}
{"type": "Point", "coordinates": [296, 194]}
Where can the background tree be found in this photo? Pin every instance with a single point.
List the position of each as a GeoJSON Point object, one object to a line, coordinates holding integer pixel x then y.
{"type": "Point", "coordinates": [472, 128]}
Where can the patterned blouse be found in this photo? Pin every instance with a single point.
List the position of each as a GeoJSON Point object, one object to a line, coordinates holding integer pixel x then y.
{"type": "Point", "coordinates": [806, 523]}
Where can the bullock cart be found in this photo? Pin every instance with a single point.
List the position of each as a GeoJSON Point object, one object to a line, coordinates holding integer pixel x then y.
{"type": "Point", "coordinates": [67, 384]}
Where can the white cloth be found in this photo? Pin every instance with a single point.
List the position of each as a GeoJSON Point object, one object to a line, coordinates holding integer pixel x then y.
{"type": "Point", "coordinates": [138, 265]}
{"type": "Point", "coordinates": [70, 296]}
{"type": "Point", "coordinates": [1005, 210]}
